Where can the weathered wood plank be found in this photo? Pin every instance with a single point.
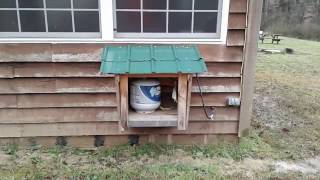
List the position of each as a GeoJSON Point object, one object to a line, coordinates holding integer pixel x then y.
{"type": "Point", "coordinates": [109, 128]}
{"type": "Point", "coordinates": [236, 38]}
{"type": "Point", "coordinates": [13, 86]}
{"type": "Point", "coordinates": [220, 114]}
{"type": "Point", "coordinates": [237, 21]}
{"type": "Point", "coordinates": [64, 100]}
{"type": "Point", "coordinates": [188, 99]}
{"type": "Point", "coordinates": [217, 84]}
{"type": "Point", "coordinates": [77, 52]}
{"type": "Point", "coordinates": [25, 53]}
{"type": "Point", "coordinates": [212, 99]}
{"type": "Point", "coordinates": [57, 70]}
{"type": "Point", "coordinates": [124, 101]}
{"type": "Point", "coordinates": [238, 6]}
{"type": "Point", "coordinates": [85, 85]}
{"type": "Point", "coordinates": [182, 101]}
{"type": "Point", "coordinates": [222, 69]}
{"type": "Point", "coordinates": [42, 70]}
{"type": "Point", "coordinates": [52, 115]}
{"type": "Point", "coordinates": [56, 85]}
{"type": "Point", "coordinates": [254, 20]}
{"type": "Point", "coordinates": [221, 53]}
{"type": "Point", "coordinates": [6, 71]}
{"type": "Point", "coordinates": [8, 101]}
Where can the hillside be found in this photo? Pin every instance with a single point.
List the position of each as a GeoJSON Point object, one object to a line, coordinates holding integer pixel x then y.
{"type": "Point", "coordinates": [296, 18]}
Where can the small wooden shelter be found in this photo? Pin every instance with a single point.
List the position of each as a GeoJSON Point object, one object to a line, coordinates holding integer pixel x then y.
{"type": "Point", "coordinates": [56, 86]}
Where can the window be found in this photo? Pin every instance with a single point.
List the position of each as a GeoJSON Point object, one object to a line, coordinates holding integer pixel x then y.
{"type": "Point", "coordinates": [168, 18]}
{"type": "Point", "coordinates": [165, 21]}
{"type": "Point", "coordinates": [49, 18]}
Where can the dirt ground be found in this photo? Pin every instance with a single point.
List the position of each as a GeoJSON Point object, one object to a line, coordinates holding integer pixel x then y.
{"type": "Point", "coordinates": [284, 142]}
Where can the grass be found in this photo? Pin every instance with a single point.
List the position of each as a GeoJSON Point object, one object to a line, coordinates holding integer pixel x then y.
{"type": "Point", "coordinates": [286, 126]}
{"type": "Point", "coordinates": [287, 104]}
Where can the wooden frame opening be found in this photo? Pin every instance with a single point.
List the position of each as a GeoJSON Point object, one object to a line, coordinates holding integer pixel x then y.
{"type": "Point", "coordinates": [180, 113]}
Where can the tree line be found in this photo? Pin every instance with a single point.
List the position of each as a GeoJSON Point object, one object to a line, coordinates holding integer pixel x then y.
{"type": "Point", "coordinates": [298, 18]}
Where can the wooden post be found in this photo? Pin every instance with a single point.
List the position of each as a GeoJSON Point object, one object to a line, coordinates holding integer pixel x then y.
{"type": "Point", "coordinates": [189, 89]}
{"type": "Point", "coordinates": [124, 101]}
{"type": "Point", "coordinates": [182, 101]}
{"type": "Point", "coordinates": [250, 56]}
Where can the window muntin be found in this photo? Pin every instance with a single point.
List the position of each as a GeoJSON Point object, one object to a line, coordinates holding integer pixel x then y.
{"type": "Point", "coordinates": [50, 18]}
{"type": "Point", "coordinates": [178, 18]}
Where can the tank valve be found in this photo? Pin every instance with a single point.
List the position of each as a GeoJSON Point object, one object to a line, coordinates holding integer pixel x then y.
{"type": "Point", "coordinates": [233, 101]}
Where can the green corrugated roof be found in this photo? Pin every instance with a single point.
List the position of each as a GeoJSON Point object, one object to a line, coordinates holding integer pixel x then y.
{"type": "Point", "coordinates": [149, 59]}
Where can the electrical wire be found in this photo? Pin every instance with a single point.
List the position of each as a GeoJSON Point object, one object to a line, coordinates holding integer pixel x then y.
{"type": "Point", "coordinates": [212, 110]}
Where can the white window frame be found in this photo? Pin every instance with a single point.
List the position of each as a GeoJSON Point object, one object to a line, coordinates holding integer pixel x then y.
{"type": "Point", "coordinates": [108, 34]}
{"type": "Point", "coordinates": [46, 33]}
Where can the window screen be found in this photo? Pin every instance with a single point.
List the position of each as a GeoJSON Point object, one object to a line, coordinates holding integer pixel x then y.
{"type": "Point", "coordinates": [168, 18]}
{"type": "Point", "coordinates": [49, 18]}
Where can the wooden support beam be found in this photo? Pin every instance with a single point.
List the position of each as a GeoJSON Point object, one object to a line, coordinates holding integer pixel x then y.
{"type": "Point", "coordinates": [251, 46]}
{"type": "Point", "coordinates": [182, 101]}
{"type": "Point", "coordinates": [124, 102]}
{"type": "Point", "coordinates": [189, 89]}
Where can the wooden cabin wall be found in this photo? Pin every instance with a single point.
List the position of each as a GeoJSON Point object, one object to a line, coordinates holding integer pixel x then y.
{"type": "Point", "coordinates": [50, 90]}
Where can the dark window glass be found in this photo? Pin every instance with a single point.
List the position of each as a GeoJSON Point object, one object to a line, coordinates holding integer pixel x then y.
{"type": "Point", "coordinates": [32, 21]}
{"type": "Point", "coordinates": [154, 22]}
{"type": "Point", "coordinates": [31, 3]}
{"type": "Point", "coordinates": [128, 4]}
{"type": "Point", "coordinates": [205, 22]}
{"type": "Point", "coordinates": [86, 21]}
{"type": "Point", "coordinates": [8, 4]}
{"type": "Point", "coordinates": [58, 3]}
{"type": "Point", "coordinates": [8, 21]}
{"type": "Point", "coordinates": [86, 4]}
{"type": "Point", "coordinates": [206, 4]}
{"type": "Point", "coordinates": [154, 4]}
{"type": "Point", "coordinates": [180, 22]}
{"type": "Point", "coordinates": [128, 22]}
{"type": "Point", "coordinates": [59, 21]}
{"type": "Point", "coordinates": [180, 4]}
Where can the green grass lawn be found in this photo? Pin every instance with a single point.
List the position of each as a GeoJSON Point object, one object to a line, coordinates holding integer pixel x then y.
{"type": "Point", "coordinates": [286, 129]}
{"type": "Point", "coordinates": [287, 101]}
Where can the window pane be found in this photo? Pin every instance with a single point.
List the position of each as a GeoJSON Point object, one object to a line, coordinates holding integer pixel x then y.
{"type": "Point", "coordinates": [205, 22]}
{"type": "Point", "coordinates": [58, 3]}
{"type": "Point", "coordinates": [180, 22]}
{"type": "Point", "coordinates": [128, 22]}
{"type": "Point", "coordinates": [31, 3]}
{"type": "Point", "coordinates": [154, 4]}
{"type": "Point", "coordinates": [86, 4]}
{"type": "Point", "coordinates": [180, 4]}
{"type": "Point", "coordinates": [128, 4]}
{"type": "Point", "coordinates": [8, 21]}
{"type": "Point", "coordinates": [8, 4]}
{"type": "Point", "coordinates": [59, 21]}
{"type": "Point", "coordinates": [154, 22]}
{"type": "Point", "coordinates": [206, 4]}
{"type": "Point", "coordinates": [86, 21]}
{"type": "Point", "coordinates": [32, 21]}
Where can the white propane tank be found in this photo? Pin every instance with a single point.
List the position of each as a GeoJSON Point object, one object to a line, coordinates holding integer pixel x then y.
{"type": "Point", "coordinates": [145, 95]}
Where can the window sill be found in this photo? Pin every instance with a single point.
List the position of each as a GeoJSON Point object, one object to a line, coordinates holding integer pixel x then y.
{"type": "Point", "coordinates": [118, 40]}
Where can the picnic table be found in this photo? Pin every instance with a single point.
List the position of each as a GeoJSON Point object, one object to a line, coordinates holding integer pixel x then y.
{"type": "Point", "coordinates": [273, 37]}
{"type": "Point", "coordinates": [276, 38]}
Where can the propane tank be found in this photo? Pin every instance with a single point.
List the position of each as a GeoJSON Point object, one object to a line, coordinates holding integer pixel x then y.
{"type": "Point", "coordinates": [145, 95]}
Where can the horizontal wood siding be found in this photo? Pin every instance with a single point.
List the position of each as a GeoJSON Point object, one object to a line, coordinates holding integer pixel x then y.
{"type": "Point", "coordinates": [109, 128]}
{"type": "Point", "coordinates": [57, 90]}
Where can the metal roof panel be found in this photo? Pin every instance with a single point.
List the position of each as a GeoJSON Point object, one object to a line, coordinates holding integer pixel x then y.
{"type": "Point", "coordinates": [150, 59]}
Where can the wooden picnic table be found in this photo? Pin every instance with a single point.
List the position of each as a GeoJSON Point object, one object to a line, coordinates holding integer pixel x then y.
{"type": "Point", "coordinates": [273, 37]}
{"type": "Point", "coordinates": [276, 38]}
